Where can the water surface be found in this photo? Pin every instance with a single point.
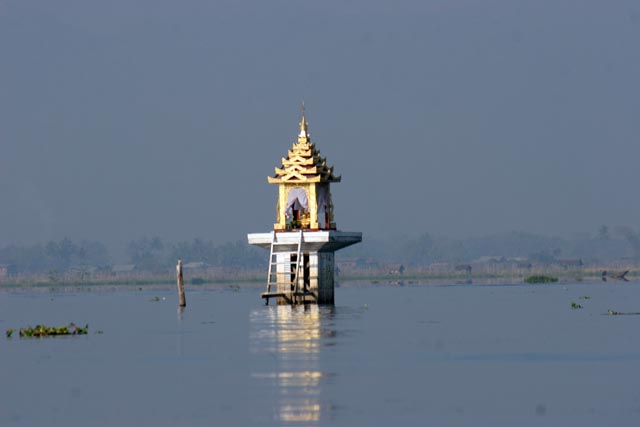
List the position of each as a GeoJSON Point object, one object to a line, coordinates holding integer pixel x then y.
{"type": "Point", "coordinates": [409, 355]}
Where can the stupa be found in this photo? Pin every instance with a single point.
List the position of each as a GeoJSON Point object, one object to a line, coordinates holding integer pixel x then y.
{"type": "Point", "coordinates": [304, 237]}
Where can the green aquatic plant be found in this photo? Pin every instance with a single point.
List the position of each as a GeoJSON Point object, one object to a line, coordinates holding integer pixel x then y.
{"type": "Point", "coordinates": [575, 305]}
{"type": "Point", "coordinates": [9, 332]}
{"type": "Point", "coordinates": [44, 331]}
{"type": "Point", "coordinates": [620, 313]}
{"type": "Point", "coordinates": [541, 279]}
{"type": "Point", "coordinates": [155, 299]}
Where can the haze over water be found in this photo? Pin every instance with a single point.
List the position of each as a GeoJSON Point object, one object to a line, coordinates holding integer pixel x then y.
{"type": "Point", "coordinates": [455, 355]}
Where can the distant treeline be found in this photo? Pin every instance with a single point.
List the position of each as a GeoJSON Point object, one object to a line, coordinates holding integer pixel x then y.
{"type": "Point", "coordinates": [146, 254]}
{"type": "Point", "coordinates": [603, 246]}
{"type": "Point", "coordinates": [153, 254]}
{"type": "Point", "coordinates": [157, 255]}
{"type": "Point", "coordinates": [54, 256]}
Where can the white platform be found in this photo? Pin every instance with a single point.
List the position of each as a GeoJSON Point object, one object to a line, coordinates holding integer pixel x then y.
{"type": "Point", "coordinates": [313, 241]}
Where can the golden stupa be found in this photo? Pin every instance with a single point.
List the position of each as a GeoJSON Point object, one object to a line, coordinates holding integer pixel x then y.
{"type": "Point", "coordinates": [304, 196]}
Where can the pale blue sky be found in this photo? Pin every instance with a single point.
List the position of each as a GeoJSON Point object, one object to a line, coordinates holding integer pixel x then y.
{"type": "Point", "coordinates": [120, 119]}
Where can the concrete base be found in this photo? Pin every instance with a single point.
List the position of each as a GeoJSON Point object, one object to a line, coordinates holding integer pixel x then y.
{"type": "Point", "coordinates": [312, 241]}
{"type": "Point", "coordinates": [316, 283]}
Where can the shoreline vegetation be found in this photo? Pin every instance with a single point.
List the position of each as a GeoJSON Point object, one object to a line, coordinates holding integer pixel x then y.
{"type": "Point", "coordinates": [256, 279]}
{"type": "Point", "coordinates": [420, 258]}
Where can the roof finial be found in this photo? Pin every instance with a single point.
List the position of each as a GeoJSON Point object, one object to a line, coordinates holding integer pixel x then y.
{"type": "Point", "coordinates": [303, 124]}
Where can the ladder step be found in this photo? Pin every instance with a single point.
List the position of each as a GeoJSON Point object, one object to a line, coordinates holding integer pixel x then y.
{"type": "Point", "coordinates": [303, 293]}
{"type": "Point", "coordinates": [283, 294]}
{"type": "Point", "coordinates": [268, 295]}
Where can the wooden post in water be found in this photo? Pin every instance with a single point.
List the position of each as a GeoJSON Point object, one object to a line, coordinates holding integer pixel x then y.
{"type": "Point", "coordinates": [183, 301]}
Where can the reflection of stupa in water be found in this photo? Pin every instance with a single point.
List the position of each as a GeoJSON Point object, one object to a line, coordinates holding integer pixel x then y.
{"type": "Point", "coordinates": [294, 336]}
{"type": "Point", "coordinates": [304, 239]}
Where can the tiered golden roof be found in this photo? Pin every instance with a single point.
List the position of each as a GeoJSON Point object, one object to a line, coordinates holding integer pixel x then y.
{"type": "Point", "coordinates": [303, 162]}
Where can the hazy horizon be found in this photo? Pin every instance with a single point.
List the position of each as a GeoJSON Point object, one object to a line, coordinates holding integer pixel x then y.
{"type": "Point", "coordinates": [120, 120]}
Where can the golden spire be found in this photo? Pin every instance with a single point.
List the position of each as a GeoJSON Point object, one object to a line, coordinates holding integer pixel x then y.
{"type": "Point", "coordinates": [303, 125]}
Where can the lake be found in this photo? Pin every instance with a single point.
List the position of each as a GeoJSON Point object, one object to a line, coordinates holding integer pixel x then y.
{"type": "Point", "coordinates": [469, 355]}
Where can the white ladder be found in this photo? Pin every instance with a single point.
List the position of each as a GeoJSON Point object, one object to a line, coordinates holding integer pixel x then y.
{"type": "Point", "coordinates": [287, 288]}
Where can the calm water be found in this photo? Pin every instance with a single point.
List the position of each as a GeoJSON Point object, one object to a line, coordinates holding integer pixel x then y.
{"type": "Point", "coordinates": [413, 355]}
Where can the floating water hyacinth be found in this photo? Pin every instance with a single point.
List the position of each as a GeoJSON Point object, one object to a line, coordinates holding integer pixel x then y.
{"type": "Point", "coordinates": [541, 279]}
{"type": "Point", "coordinates": [575, 305]}
{"type": "Point", "coordinates": [45, 331]}
{"type": "Point", "coordinates": [619, 313]}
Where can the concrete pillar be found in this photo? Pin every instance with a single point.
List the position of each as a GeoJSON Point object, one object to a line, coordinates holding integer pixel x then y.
{"type": "Point", "coordinates": [321, 278]}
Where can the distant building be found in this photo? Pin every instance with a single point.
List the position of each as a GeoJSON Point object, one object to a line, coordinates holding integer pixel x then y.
{"type": "Point", "coordinates": [395, 269]}
{"type": "Point", "coordinates": [440, 268]}
{"type": "Point", "coordinates": [195, 266]}
{"type": "Point", "coordinates": [490, 260]}
{"type": "Point", "coordinates": [7, 270]}
{"type": "Point", "coordinates": [123, 269]}
{"type": "Point", "coordinates": [466, 268]}
{"type": "Point", "coordinates": [570, 263]}
{"type": "Point", "coordinates": [83, 269]}
{"type": "Point", "coordinates": [358, 264]}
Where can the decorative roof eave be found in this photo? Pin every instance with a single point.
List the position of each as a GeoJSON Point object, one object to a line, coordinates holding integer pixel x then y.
{"type": "Point", "coordinates": [313, 170]}
{"type": "Point", "coordinates": [309, 161]}
{"type": "Point", "coordinates": [304, 180]}
{"type": "Point", "coordinates": [300, 153]}
{"type": "Point", "coordinates": [293, 180]}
